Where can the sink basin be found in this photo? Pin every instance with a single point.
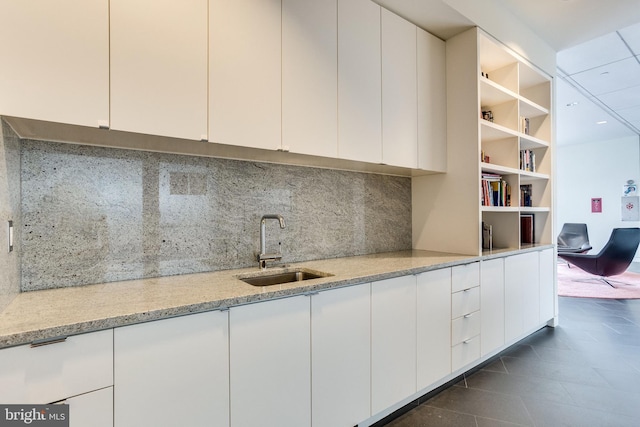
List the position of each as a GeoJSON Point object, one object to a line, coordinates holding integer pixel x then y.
{"type": "Point", "coordinates": [280, 276]}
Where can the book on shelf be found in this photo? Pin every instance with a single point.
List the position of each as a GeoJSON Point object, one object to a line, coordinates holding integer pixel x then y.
{"type": "Point", "coordinates": [495, 190]}
{"type": "Point", "coordinates": [525, 195]}
{"type": "Point", "coordinates": [487, 236]}
{"type": "Point", "coordinates": [527, 160]}
{"type": "Point", "coordinates": [527, 231]}
{"type": "Point", "coordinates": [524, 125]}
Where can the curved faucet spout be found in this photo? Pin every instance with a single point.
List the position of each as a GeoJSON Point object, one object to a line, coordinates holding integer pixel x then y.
{"type": "Point", "coordinates": [263, 257]}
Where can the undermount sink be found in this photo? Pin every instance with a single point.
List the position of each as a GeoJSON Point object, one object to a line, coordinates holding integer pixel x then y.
{"type": "Point", "coordinates": [281, 276]}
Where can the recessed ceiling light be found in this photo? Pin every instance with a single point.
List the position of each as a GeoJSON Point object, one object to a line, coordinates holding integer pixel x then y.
{"type": "Point", "coordinates": [603, 73]}
{"type": "Point", "coordinates": [601, 122]}
{"type": "Point", "coordinates": [571, 104]}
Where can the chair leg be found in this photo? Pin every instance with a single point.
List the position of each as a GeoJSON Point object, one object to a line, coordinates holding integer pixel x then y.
{"type": "Point", "coordinates": [600, 279]}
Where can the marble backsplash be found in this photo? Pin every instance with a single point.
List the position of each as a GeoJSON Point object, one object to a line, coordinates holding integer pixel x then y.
{"type": "Point", "coordinates": [9, 211]}
{"type": "Point", "coordinates": [93, 214]}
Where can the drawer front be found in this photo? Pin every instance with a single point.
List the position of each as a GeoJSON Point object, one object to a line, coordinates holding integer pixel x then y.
{"type": "Point", "coordinates": [465, 276]}
{"type": "Point", "coordinates": [53, 372]}
{"type": "Point", "coordinates": [465, 327]}
{"type": "Point", "coordinates": [465, 302]}
{"type": "Point", "coordinates": [465, 353]}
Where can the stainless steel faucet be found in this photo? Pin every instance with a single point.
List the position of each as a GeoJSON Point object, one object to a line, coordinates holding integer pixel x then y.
{"type": "Point", "coordinates": [264, 257]}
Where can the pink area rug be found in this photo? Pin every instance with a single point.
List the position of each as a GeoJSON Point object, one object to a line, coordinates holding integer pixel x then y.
{"type": "Point", "coordinates": [627, 284]}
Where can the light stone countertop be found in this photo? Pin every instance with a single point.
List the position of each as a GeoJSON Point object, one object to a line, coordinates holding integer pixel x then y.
{"type": "Point", "coordinates": [68, 311]}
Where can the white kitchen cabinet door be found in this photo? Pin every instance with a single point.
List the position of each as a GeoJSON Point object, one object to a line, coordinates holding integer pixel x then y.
{"type": "Point", "coordinates": [433, 326]}
{"type": "Point", "coordinates": [547, 285]}
{"type": "Point", "coordinates": [56, 371]}
{"type": "Point", "coordinates": [93, 409]}
{"type": "Point", "coordinates": [399, 92]}
{"type": "Point", "coordinates": [393, 341]}
{"type": "Point", "coordinates": [310, 77]}
{"type": "Point", "coordinates": [270, 348]}
{"type": "Point", "coordinates": [56, 60]}
{"type": "Point", "coordinates": [173, 372]}
{"type": "Point", "coordinates": [522, 294]}
{"type": "Point", "coordinates": [432, 102]}
{"type": "Point", "coordinates": [492, 305]}
{"type": "Point", "coordinates": [359, 81]}
{"type": "Point", "coordinates": [245, 73]}
{"type": "Point", "coordinates": [341, 356]}
{"type": "Point", "coordinates": [159, 67]}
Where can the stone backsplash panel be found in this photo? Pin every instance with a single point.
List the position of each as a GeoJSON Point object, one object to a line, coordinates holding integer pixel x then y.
{"type": "Point", "coordinates": [93, 214]}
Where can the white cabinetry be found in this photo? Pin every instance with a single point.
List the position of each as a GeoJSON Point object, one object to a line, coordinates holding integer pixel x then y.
{"type": "Point", "coordinates": [359, 81]}
{"type": "Point", "coordinates": [159, 67]}
{"type": "Point", "coordinates": [492, 303]}
{"type": "Point", "coordinates": [245, 73]}
{"type": "Point", "coordinates": [522, 295]}
{"type": "Point", "coordinates": [52, 372]}
{"type": "Point", "coordinates": [93, 409]}
{"type": "Point", "coordinates": [547, 285]}
{"type": "Point", "coordinates": [310, 77]}
{"type": "Point", "coordinates": [181, 364]}
{"type": "Point", "coordinates": [340, 355]}
{"type": "Point", "coordinates": [393, 341]}
{"type": "Point", "coordinates": [433, 326]}
{"type": "Point", "coordinates": [465, 315]}
{"type": "Point", "coordinates": [56, 65]}
{"type": "Point", "coordinates": [399, 92]}
{"type": "Point", "coordinates": [271, 363]}
{"type": "Point", "coordinates": [432, 102]}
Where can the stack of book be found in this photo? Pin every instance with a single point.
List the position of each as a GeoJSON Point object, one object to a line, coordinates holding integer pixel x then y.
{"type": "Point", "coordinates": [527, 160]}
{"type": "Point", "coordinates": [525, 195]}
{"type": "Point", "coordinates": [495, 190]}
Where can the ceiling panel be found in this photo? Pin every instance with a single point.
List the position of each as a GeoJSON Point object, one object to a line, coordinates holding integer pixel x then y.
{"type": "Point", "coordinates": [631, 35]}
{"type": "Point", "coordinates": [602, 50]}
{"type": "Point", "coordinates": [631, 114]}
{"type": "Point", "coordinates": [611, 77]}
{"type": "Point", "coordinates": [625, 98]}
{"type": "Point", "coordinates": [577, 123]}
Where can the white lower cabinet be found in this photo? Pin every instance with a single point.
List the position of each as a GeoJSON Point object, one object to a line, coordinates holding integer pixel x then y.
{"type": "Point", "coordinates": [93, 409]}
{"type": "Point", "coordinates": [56, 371]}
{"type": "Point", "coordinates": [547, 285]}
{"type": "Point", "coordinates": [465, 315]}
{"type": "Point", "coordinates": [393, 341]}
{"type": "Point", "coordinates": [340, 356]}
{"type": "Point", "coordinates": [521, 294]}
{"type": "Point", "coordinates": [172, 372]}
{"type": "Point", "coordinates": [433, 326]}
{"type": "Point", "coordinates": [492, 303]}
{"type": "Point", "coordinates": [270, 363]}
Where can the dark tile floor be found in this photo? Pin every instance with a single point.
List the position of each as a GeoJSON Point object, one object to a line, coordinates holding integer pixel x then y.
{"type": "Point", "coordinates": [585, 372]}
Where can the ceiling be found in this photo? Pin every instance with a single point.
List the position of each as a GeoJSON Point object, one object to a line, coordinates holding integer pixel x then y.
{"type": "Point", "coordinates": [598, 45]}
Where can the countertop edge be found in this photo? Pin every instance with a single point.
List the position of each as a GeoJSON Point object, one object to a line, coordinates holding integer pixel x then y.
{"type": "Point", "coordinates": [27, 336]}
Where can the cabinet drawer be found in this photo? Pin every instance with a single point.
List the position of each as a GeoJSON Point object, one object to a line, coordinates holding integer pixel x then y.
{"type": "Point", "coordinates": [53, 372]}
{"type": "Point", "coordinates": [465, 327]}
{"type": "Point", "coordinates": [465, 302]}
{"type": "Point", "coordinates": [465, 276]}
{"type": "Point", "coordinates": [465, 352]}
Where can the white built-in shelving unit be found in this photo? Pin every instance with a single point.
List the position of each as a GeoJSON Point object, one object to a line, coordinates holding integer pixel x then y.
{"type": "Point", "coordinates": [484, 75]}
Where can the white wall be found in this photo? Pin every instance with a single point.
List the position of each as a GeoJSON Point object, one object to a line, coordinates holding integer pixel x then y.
{"type": "Point", "coordinates": [597, 169]}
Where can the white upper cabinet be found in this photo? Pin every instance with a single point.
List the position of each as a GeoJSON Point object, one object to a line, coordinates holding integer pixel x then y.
{"type": "Point", "coordinates": [359, 81]}
{"type": "Point", "coordinates": [432, 103]}
{"type": "Point", "coordinates": [159, 67]}
{"type": "Point", "coordinates": [56, 60]}
{"type": "Point", "coordinates": [399, 92]}
{"type": "Point", "coordinates": [310, 77]}
{"type": "Point", "coordinates": [245, 73]}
